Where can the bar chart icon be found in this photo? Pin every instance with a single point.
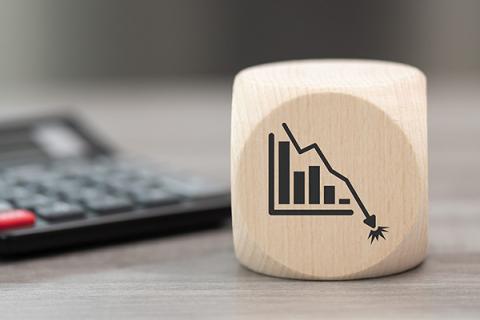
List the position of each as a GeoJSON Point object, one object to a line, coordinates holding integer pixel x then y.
{"type": "Point", "coordinates": [322, 197]}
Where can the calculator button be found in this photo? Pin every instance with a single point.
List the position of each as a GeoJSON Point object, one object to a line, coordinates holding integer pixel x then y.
{"type": "Point", "coordinates": [84, 193]}
{"type": "Point", "coordinates": [191, 189]}
{"type": "Point", "coordinates": [5, 205]}
{"type": "Point", "coordinates": [16, 219]}
{"type": "Point", "coordinates": [109, 204]}
{"type": "Point", "coordinates": [32, 201]}
{"type": "Point", "coordinates": [198, 192]}
{"type": "Point", "coordinates": [60, 211]}
{"type": "Point", "coordinates": [154, 197]}
{"type": "Point", "coordinates": [16, 192]}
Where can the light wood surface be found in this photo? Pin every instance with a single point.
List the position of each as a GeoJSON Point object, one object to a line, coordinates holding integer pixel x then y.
{"type": "Point", "coordinates": [196, 275]}
{"type": "Point", "coordinates": [367, 123]}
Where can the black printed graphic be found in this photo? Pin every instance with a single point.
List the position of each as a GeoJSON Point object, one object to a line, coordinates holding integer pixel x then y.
{"type": "Point", "coordinates": [316, 194]}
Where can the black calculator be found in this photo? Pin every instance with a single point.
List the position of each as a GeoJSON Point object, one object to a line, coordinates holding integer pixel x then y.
{"type": "Point", "coordinates": [61, 186]}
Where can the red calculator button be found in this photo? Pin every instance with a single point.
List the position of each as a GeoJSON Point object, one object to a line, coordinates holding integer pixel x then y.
{"type": "Point", "coordinates": [16, 219]}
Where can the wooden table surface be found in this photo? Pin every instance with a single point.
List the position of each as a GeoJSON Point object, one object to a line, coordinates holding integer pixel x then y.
{"type": "Point", "coordinates": [196, 275]}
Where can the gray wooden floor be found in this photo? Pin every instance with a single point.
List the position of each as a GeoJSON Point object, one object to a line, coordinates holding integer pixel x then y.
{"type": "Point", "coordinates": [196, 275]}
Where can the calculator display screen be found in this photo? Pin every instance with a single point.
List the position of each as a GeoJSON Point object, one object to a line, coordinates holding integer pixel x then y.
{"type": "Point", "coordinates": [58, 140]}
{"type": "Point", "coordinates": [43, 140]}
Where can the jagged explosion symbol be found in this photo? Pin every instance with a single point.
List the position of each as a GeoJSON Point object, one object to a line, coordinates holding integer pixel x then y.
{"type": "Point", "coordinates": [375, 234]}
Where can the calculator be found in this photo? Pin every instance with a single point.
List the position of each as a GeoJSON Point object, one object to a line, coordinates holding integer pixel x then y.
{"type": "Point", "coordinates": [62, 186]}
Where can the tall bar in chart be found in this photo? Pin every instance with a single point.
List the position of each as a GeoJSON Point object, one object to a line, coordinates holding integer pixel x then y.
{"type": "Point", "coordinates": [314, 185]}
{"type": "Point", "coordinates": [284, 172]}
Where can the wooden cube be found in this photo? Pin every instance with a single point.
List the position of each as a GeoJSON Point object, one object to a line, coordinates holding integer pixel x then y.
{"type": "Point", "coordinates": [329, 168]}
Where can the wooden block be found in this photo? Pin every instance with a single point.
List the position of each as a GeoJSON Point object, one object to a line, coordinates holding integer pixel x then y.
{"type": "Point", "coordinates": [329, 168]}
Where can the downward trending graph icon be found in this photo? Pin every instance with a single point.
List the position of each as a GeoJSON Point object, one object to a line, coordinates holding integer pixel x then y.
{"type": "Point", "coordinates": [314, 188]}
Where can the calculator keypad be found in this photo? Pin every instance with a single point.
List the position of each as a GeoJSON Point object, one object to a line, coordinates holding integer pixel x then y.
{"type": "Point", "coordinates": [73, 190]}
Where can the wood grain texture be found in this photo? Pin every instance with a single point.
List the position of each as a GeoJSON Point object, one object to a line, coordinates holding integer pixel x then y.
{"type": "Point", "coordinates": [196, 276]}
{"type": "Point", "coordinates": [368, 121]}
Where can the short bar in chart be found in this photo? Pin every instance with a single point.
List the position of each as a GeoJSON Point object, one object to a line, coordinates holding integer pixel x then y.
{"type": "Point", "coordinates": [329, 194]}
